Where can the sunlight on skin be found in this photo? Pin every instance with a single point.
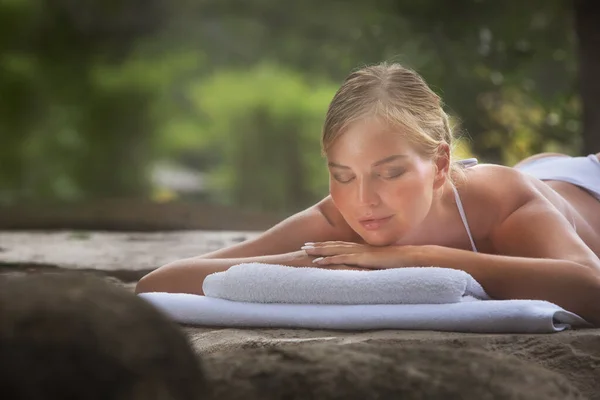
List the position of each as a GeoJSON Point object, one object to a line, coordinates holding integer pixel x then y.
{"type": "Point", "coordinates": [401, 190]}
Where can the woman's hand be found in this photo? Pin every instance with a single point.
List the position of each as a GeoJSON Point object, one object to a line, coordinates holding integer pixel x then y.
{"type": "Point", "coordinates": [359, 255]}
{"type": "Point", "coordinates": [301, 259]}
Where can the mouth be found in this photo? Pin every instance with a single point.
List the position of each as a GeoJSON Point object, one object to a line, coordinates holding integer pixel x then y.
{"type": "Point", "coordinates": [373, 224]}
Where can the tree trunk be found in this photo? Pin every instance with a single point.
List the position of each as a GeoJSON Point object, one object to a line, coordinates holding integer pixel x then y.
{"type": "Point", "coordinates": [587, 26]}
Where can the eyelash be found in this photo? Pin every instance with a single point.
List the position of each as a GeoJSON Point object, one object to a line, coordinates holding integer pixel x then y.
{"type": "Point", "coordinates": [395, 175]}
{"type": "Point", "coordinates": [392, 177]}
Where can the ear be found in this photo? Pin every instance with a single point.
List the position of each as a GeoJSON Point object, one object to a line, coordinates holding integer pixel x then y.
{"type": "Point", "coordinates": [442, 165]}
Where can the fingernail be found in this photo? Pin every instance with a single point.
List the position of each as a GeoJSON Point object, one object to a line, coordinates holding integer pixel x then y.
{"type": "Point", "coordinates": [309, 243]}
{"type": "Point", "coordinates": [316, 260]}
{"type": "Point", "coordinates": [307, 247]}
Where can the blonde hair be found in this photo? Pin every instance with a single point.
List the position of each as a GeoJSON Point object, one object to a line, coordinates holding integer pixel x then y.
{"type": "Point", "coordinates": [402, 98]}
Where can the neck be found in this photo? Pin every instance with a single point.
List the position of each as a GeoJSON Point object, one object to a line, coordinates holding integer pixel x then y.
{"type": "Point", "coordinates": [443, 214]}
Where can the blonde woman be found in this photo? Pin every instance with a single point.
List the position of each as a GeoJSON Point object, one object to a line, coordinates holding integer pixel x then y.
{"type": "Point", "coordinates": [399, 199]}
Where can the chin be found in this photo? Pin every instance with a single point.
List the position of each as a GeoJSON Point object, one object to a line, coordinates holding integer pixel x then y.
{"type": "Point", "coordinates": [375, 239]}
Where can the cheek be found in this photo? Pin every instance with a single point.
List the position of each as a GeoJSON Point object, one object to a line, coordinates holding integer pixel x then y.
{"type": "Point", "coordinates": [406, 195]}
{"type": "Point", "coordinates": [410, 199]}
{"type": "Point", "coordinates": [341, 197]}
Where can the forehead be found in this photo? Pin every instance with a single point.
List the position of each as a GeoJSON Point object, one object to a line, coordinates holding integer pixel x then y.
{"type": "Point", "coordinates": [367, 139]}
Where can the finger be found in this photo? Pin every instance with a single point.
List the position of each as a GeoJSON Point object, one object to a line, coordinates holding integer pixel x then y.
{"type": "Point", "coordinates": [330, 243]}
{"type": "Point", "coordinates": [331, 249]}
{"type": "Point", "coordinates": [336, 259]}
{"type": "Point", "coordinates": [353, 259]}
{"type": "Point", "coordinates": [328, 251]}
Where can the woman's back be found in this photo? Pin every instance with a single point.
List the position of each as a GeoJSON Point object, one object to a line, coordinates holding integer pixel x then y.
{"type": "Point", "coordinates": [575, 190]}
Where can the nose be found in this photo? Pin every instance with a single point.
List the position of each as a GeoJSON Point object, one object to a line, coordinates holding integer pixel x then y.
{"type": "Point", "coordinates": [367, 194]}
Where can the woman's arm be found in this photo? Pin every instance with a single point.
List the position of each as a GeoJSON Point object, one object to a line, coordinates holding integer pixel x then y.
{"type": "Point", "coordinates": [568, 284]}
{"type": "Point", "coordinates": [541, 257]}
{"type": "Point", "coordinates": [187, 275]}
{"type": "Point", "coordinates": [278, 245]}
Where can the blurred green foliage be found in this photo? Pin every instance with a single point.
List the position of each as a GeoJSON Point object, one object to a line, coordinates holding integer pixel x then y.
{"type": "Point", "coordinates": [94, 94]}
{"type": "Point", "coordinates": [264, 124]}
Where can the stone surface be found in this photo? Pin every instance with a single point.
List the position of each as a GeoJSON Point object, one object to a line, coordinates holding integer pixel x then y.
{"type": "Point", "coordinates": [573, 354]}
{"type": "Point", "coordinates": [109, 251]}
{"type": "Point", "coordinates": [364, 371]}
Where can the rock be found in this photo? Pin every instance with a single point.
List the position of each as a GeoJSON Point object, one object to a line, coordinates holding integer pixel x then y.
{"type": "Point", "coordinates": [364, 371]}
{"type": "Point", "coordinates": [68, 336]}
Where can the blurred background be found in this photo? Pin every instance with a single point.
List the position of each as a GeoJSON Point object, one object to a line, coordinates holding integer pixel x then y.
{"type": "Point", "coordinates": [206, 114]}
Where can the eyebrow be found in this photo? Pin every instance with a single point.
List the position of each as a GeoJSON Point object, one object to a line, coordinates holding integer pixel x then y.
{"type": "Point", "coordinates": [375, 164]}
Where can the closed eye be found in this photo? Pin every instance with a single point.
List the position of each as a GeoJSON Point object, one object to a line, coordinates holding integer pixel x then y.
{"type": "Point", "coordinates": [392, 175]}
{"type": "Point", "coordinates": [388, 176]}
{"type": "Point", "coordinates": [343, 179]}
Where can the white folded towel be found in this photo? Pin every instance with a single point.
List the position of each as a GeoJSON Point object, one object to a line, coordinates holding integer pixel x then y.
{"type": "Point", "coordinates": [268, 283]}
{"type": "Point", "coordinates": [487, 316]}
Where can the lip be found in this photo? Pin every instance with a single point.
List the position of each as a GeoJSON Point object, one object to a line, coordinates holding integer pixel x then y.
{"type": "Point", "coordinates": [372, 224]}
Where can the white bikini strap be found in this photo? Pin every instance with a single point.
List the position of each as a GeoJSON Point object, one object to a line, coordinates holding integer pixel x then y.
{"type": "Point", "coordinates": [468, 162]}
{"type": "Point", "coordinates": [461, 210]}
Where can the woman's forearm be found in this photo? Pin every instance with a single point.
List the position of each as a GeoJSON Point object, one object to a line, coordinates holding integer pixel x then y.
{"type": "Point", "coordinates": [187, 275]}
{"type": "Point", "coordinates": [570, 285]}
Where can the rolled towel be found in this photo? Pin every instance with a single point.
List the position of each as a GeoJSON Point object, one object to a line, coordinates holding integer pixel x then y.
{"type": "Point", "coordinates": [269, 283]}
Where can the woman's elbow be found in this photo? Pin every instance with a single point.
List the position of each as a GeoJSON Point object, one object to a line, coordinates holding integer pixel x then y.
{"type": "Point", "coordinates": [148, 283]}
{"type": "Point", "coordinates": [159, 280]}
{"type": "Point", "coordinates": [590, 302]}
{"type": "Point", "coordinates": [592, 315]}
{"type": "Point", "coordinates": [182, 276]}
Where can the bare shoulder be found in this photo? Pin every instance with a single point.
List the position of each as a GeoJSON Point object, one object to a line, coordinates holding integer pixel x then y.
{"type": "Point", "coordinates": [491, 193]}
{"type": "Point", "coordinates": [503, 187]}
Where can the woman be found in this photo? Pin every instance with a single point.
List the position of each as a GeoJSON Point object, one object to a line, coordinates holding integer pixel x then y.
{"type": "Point", "coordinates": [398, 199]}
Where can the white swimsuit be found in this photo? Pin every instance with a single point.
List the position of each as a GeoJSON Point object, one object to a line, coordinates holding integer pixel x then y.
{"type": "Point", "coordinates": [469, 162]}
{"type": "Point", "coordinates": [580, 171]}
